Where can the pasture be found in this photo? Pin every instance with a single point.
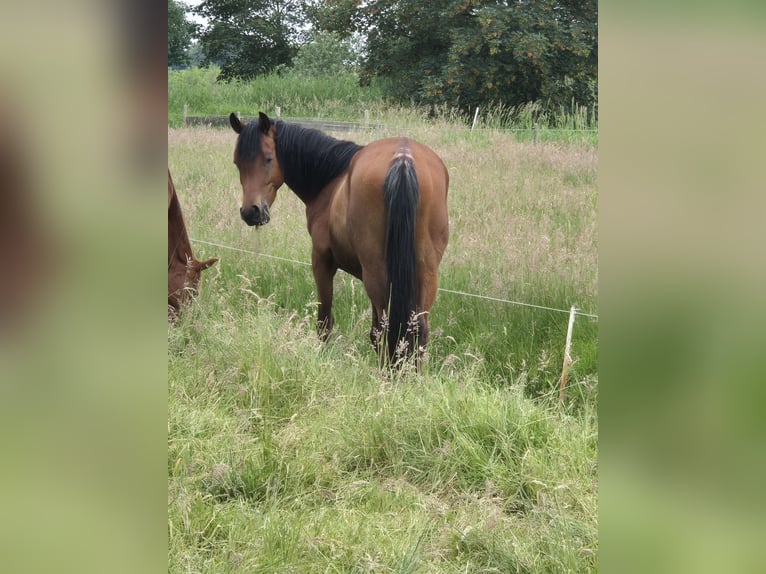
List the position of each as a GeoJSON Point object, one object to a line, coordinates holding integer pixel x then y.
{"type": "Point", "coordinates": [289, 455]}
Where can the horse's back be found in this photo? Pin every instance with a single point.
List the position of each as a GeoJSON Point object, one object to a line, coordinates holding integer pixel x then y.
{"type": "Point", "coordinates": [372, 163]}
{"type": "Point", "coordinates": [369, 168]}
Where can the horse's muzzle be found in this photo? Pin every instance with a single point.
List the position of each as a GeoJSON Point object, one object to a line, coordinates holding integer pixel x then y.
{"type": "Point", "coordinates": [255, 215]}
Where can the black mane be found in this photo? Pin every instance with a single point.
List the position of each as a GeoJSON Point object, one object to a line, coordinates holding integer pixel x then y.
{"type": "Point", "coordinates": [309, 159]}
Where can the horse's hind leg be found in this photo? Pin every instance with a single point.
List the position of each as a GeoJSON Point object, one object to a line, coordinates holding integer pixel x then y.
{"type": "Point", "coordinates": [376, 331]}
{"type": "Point", "coordinates": [375, 284]}
{"type": "Point", "coordinates": [429, 285]}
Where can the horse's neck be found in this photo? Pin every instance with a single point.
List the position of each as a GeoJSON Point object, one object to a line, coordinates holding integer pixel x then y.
{"type": "Point", "coordinates": [312, 167]}
{"type": "Point", "coordinates": [179, 246]}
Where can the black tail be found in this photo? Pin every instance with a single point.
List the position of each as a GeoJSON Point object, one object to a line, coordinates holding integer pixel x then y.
{"type": "Point", "coordinates": [401, 196]}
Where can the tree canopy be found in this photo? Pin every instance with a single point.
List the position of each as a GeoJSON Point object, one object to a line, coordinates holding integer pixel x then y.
{"type": "Point", "coordinates": [249, 37]}
{"type": "Point", "coordinates": [472, 52]}
{"type": "Point", "coordinates": [458, 53]}
{"type": "Point", "coordinates": [180, 33]}
{"type": "Point", "coordinates": [326, 54]}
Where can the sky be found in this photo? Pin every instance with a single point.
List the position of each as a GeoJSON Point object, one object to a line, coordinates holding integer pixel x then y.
{"type": "Point", "coordinates": [194, 17]}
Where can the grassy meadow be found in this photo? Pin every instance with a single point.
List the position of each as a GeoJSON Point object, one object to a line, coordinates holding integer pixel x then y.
{"type": "Point", "coordinates": [289, 455]}
{"type": "Point", "coordinates": [340, 98]}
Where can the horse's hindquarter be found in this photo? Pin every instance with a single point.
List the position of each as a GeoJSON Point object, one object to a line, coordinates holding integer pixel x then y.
{"type": "Point", "coordinates": [433, 219]}
{"type": "Point", "coordinates": [365, 200]}
{"type": "Point", "coordinates": [432, 228]}
{"type": "Point", "coordinates": [365, 212]}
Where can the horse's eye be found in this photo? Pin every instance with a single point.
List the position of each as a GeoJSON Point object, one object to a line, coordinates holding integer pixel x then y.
{"type": "Point", "coordinates": [269, 159]}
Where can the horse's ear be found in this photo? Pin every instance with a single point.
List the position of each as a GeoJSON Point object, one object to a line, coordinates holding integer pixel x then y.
{"type": "Point", "coordinates": [235, 123]}
{"type": "Point", "coordinates": [202, 265]}
{"type": "Point", "coordinates": [264, 122]}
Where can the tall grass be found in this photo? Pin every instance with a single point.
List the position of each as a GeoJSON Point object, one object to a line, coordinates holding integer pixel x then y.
{"type": "Point", "coordinates": [336, 97]}
{"type": "Point", "coordinates": [534, 121]}
{"type": "Point", "coordinates": [286, 454]}
{"type": "Point", "coordinates": [340, 98]}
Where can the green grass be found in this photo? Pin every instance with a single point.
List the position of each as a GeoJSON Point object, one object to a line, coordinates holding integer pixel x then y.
{"type": "Point", "coordinates": [340, 98]}
{"type": "Point", "coordinates": [331, 97]}
{"type": "Point", "coordinates": [289, 455]}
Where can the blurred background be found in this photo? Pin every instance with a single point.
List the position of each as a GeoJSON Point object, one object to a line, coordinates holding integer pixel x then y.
{"type": "Point", "coordinates": [681, 270]}
{"type": "Point", "coordinates": [82, 331]}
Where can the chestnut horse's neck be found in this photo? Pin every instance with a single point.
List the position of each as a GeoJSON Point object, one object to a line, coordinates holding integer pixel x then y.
{"type": "Point", "coordinates": [310, 160]}
{"type": "Point", "coordinates": [179, 247]}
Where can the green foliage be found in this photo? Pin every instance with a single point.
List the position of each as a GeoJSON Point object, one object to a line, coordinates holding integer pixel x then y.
{"type": "Point", "coordinates": [180, 32]}
{"type": "Point", "coordinates": [196, 54]}
{"type": "Point", "coordinates": [247, 38]}
{"type": "Point", "coordinates": [469, 53]}
{"type": "Point", "coordinates": [327, 54]}
{"type": "Point", "coordinates": [340, 97]}
{"type": "Point", "coordinates": [461, 54]}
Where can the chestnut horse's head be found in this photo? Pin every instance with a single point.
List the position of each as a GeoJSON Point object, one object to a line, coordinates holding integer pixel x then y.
{"type": "Point", "coordinates": [255, 155]}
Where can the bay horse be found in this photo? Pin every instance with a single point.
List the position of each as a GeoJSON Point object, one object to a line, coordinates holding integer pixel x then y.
{"type": "Point", "coordinates": [378, 212]}
{"type": "Point", "coordinates": [184, 269]}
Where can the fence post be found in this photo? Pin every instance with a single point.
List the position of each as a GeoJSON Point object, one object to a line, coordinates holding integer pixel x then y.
{"type": "Point", "coordinates": [475, 118]}
{"type": "Point", "coordinates": [537, 133]}
{"type": "Point", "coordinates": [567, 357]}
{"type": "Point", "coordinates": [367, 118]}
{"type": "Point", "coordinates": [186, 114]}
{"type": "Point", "coordinates": [278, 110]}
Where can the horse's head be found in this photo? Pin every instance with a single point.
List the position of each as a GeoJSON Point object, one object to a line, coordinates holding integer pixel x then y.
{"type": "Point", "coordinates": [184, 269]}
{"type": "Point", "coordinates": [184, 280]}
{"type": "Point", "coordinates": [255, 155]}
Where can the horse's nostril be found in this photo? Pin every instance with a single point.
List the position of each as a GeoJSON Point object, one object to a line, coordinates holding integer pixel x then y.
{"type": "Point", "coordinates": [253, 215]}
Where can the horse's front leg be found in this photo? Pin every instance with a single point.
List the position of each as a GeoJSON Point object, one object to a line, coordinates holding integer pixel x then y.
{"type": "Point", "coordinates": [324, 267]}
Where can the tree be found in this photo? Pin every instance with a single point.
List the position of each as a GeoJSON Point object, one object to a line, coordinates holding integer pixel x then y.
{"type": "Point", "coordinates": [180, 33]}
{"type": "Point", "coordinates": [327, 54]}
{"type": "Point", "coordinates": [247, 38]}
{"type": "Point", "coordinates": [474, 52]}
{"type": "Point", "coordinates": [196, 55]}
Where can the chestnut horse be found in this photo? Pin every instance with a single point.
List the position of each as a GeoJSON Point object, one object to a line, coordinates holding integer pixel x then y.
{"type": "Point", "coordinates": [378, 212]}
{"type": "Point", "coordinates": [184, 269]}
